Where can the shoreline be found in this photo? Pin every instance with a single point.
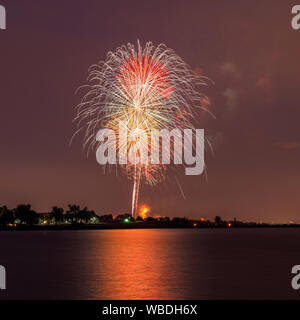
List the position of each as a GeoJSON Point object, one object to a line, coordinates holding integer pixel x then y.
{"type": "Point", "coordinates": [121, 226]}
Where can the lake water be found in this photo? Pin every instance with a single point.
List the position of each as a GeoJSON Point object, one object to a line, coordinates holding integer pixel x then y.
{"type": "Point", "coordinates": [150, 264]}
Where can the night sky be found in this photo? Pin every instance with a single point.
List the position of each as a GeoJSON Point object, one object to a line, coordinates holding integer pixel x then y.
{"type": "Point", "coordinates": [247, 48]}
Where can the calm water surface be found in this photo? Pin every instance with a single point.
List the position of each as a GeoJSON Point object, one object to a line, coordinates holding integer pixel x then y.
{"type": "Point", "coordinates": [150, 264]}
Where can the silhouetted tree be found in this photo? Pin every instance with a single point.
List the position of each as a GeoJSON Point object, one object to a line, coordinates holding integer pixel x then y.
{"type": "Point", "coordinates": [57, 214]}
{"type": "Point", "coordinates": [77, 215]}
{"type": "Point", "coordinates": [6, 216]}
{"type": "Point", "coordinates": [218, 219]}
{"type": "Point", "coordinates": [83, 215]}
{"type": "Point", "coordinates": [93, 217]}
{"type": "Point", "coordinates": [26, 215]}
{"type": "Point", "coordinates": [87, 216]}
{"type": "Point", "coordinates": [150, 220]}
{"type": "Point", "coordinates": [72, 213]}
{"type": "Point", "coordinates": [165, 220]}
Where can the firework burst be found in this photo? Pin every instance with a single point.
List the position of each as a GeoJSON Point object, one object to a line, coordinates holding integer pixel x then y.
{"type": "Point", "coordinates": [148, 88]}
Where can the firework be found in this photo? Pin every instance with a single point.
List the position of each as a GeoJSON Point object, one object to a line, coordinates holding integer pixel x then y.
{"type": "Point", "coordinates": [148, 88]}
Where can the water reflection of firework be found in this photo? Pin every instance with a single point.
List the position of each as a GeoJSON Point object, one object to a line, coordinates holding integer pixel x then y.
{"type": "Point", "coordinates": [144, 89]}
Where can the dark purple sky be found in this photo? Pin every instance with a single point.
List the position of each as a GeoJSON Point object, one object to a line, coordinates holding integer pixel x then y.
{"type": "Point", "coordinates": [247, 47]}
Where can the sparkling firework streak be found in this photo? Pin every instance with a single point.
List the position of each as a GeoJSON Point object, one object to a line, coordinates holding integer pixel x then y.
{"type": "Point", "coordinates": [148, 88]}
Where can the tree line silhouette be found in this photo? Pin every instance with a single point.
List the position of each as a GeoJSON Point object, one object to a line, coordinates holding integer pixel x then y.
{"type": "Point", "coordinates": [24, 215]}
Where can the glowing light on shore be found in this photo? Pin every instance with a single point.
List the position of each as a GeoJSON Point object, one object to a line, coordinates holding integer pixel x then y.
{"type": "Point", "coordinates": [144, 211]}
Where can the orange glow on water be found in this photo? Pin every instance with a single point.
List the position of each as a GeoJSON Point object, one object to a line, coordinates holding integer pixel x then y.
{"type": "Point", "coordinates": [149, 269]}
